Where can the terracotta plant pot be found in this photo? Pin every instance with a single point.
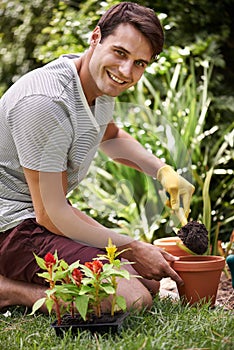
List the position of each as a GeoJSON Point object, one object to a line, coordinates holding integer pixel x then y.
{"type": "Point", "coordinates": [201, 276]}
{"type": "Point", "coordinates": [169, 244]}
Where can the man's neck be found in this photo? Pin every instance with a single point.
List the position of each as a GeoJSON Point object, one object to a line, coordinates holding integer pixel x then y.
{"type": "Point", "coordinates": [88, 85]}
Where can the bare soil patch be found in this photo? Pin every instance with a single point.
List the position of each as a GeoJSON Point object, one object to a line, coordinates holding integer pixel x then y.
{"type": "Point", "coordinates": [225, 295]}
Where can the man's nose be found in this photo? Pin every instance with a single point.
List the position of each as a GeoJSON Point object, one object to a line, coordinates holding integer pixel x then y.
{"type": "Point", "coordinates": [126, 68]}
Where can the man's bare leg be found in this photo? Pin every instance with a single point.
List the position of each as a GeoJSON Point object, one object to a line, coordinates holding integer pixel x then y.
{"type": "Point", "coordinates": [20, 293]}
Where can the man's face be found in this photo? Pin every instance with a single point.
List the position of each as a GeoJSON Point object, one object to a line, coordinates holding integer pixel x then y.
{"type": "Point", "coordinates": [118, 62]}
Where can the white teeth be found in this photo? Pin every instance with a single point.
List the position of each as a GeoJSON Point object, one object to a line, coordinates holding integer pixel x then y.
{"type": "Point", "coordinates": [113, 77]}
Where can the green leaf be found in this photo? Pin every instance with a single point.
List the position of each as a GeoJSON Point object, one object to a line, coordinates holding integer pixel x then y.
{"type": "Point", "coordinates": [107, 267]}
{"type": "Point", "coordinates": [207, 205]}
{"type": "Point", "coordinates": [108, 289]}
{"type": "Point", "coordinates": [117, 263]}
{"type": "Point", "coordinates": [121, 252]}
{"type": "Point", "coordinates": [206, 202]}
{"type": "Point", "coordinates": [82, 302]}
{"type": "Point", "coordinates": [40, 262]}
{"type": "Point", "coordinates": [117, 273]}
{"type": "Point", "coordinates": [37, 305]}
{"type": "Point", "coordinates": [85, 290]}
{"type": "Point", "coordinates": [63, 264]}
{"type": "Point", "coordinates": [123, 274]}
{"type": "Point", "coordinates": [74, 265]}
{"type": "Point", "coordinates": [44, 275]}
{"type": "Point", "coordinates": [59, 275]}
{"type": "Point", "coordinates": [87, 272]}
{"type": "Point", "coordinates": [186, 249]}
{"type": "Point", "coordinates": [121, 302]}
{"type": "Point", "coordinates": [50, 292]}
{"type": "Point", "coordinates": [49, 304]}
{"type": "Point", "coordinates": [56, 255]}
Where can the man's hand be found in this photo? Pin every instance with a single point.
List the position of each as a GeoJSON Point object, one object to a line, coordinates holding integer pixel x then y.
{"type": "Point", "coordinates": [151, 262]}
{"type": "Point", "coordinates": [179, 189]}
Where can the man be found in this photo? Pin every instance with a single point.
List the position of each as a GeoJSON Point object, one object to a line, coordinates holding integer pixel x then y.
{"type": "Point", "coordinates": [52, 121]}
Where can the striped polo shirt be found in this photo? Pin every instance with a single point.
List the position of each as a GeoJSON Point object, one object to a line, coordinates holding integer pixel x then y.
{"type": "Point", "coordinates": [46, 125]}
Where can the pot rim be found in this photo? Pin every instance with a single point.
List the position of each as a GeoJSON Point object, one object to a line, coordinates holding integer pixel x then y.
{"type": "Point", "coordinates": [167, 241]}
{"type": "Point", "coordinates": [195, 263]}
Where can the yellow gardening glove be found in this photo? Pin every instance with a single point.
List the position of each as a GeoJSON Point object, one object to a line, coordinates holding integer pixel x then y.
{"type": "Point", "coordinates": [180, 191]}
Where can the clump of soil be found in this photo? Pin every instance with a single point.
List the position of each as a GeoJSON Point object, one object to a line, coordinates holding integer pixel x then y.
{"type": "Point", "coordinates": [194, 235]}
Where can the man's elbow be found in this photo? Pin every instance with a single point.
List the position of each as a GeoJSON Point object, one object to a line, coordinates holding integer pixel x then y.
{"type": "Point", "coordinates": [43, 219]}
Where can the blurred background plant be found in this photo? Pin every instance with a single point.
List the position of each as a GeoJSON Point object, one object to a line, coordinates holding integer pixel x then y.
{"type": "Point", "coordinates": [181, 110]}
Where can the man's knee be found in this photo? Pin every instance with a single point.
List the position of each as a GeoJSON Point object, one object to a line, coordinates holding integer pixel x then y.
{"type": "Point", "coordinates": [142, 301]}
{"type": "Point", "coordinates": [135, 293]}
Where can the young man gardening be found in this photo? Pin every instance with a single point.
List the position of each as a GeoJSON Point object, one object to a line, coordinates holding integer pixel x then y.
{"type": "Point", "coordinates": [52, 122]}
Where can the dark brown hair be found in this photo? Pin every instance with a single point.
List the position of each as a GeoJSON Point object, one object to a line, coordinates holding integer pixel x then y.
{"type": "Point", "coordinates": [142, 18]}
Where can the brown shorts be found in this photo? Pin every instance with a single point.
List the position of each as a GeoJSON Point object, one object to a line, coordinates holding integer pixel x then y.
{"type": "Point", "coordinates": [18, 245]}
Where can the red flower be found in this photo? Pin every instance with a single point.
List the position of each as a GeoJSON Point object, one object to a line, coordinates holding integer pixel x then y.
{"type": "Point", "coordinates": [49, 260]}
{"type": "Point", "coordinates": [95, 266]}
{"type": "Point", "coordinates": [77, 276]}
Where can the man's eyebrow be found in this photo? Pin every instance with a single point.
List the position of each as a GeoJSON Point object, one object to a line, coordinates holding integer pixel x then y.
{"type": "Point", "coordinates": [126, 51]}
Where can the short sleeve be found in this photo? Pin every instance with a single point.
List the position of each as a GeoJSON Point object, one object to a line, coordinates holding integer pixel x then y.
{"type": "Point", "coordinates": [42, 133]}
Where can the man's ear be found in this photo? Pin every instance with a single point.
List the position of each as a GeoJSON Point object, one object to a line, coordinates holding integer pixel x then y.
{"type": "Point", "coordinates": [95, 37]}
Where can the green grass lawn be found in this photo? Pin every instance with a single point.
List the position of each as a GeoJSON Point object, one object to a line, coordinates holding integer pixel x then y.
{"type": "Point", "coordinates": [168, 325]}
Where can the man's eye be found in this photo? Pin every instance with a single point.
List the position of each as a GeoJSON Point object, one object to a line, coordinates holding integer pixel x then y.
{"type": "Point", "coordinates": [140, 64]}
{"type": "Point", "coordinates": [120, 53]}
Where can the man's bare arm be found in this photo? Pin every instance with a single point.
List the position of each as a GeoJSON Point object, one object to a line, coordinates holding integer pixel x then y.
{"type": "Point", "coordinates": [123, 148]}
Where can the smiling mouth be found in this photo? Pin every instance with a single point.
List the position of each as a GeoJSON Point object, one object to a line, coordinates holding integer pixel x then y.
{"type": "Point", "coordinates": [115, 79]}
